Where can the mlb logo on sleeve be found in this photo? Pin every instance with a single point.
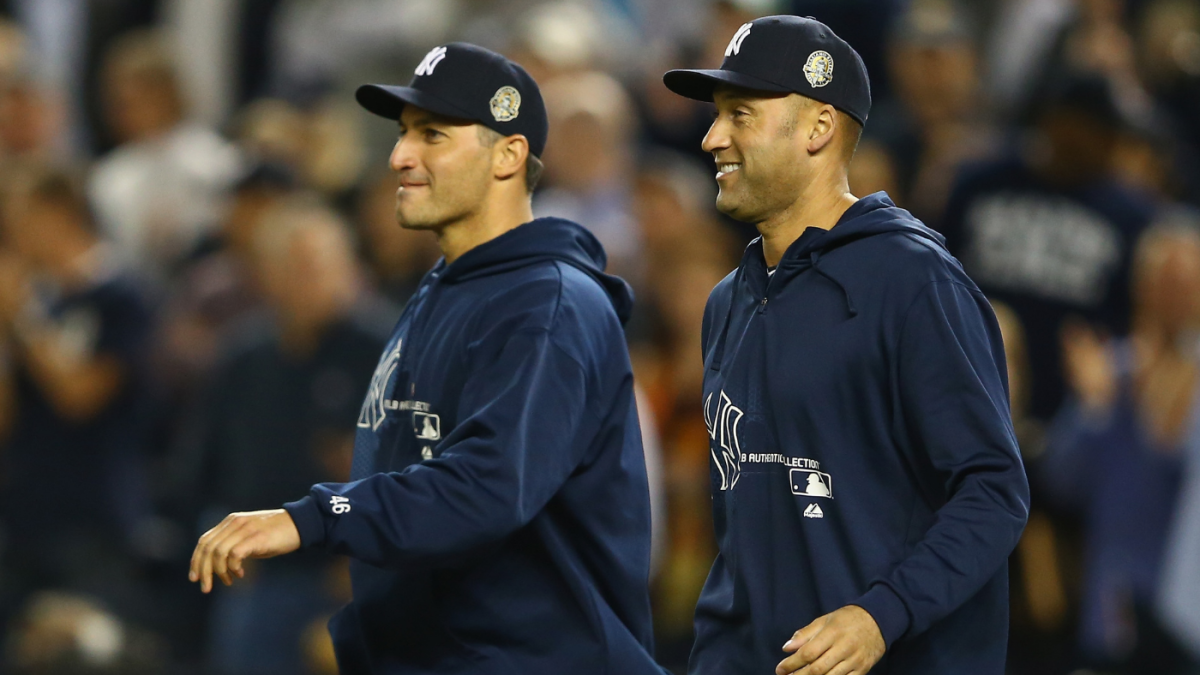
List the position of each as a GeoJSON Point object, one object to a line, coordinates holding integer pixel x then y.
{"type": "Point", "coordinates": [810, 483]}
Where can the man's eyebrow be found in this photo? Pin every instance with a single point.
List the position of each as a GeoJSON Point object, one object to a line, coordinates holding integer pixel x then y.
{"type": "Point", "coordinates": [427, 119]}
{"type": "Point", "coordinates": [736, 96]}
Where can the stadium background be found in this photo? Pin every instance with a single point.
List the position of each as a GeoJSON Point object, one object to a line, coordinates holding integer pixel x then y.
{"type": "Point", "coordinates": [1054, 142]}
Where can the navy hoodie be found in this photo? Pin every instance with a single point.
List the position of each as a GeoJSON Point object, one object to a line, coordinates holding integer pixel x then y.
{"type": "Point", "coordinates": [498, 515]}
{"type": "Point", "coordinates": [862, 451]}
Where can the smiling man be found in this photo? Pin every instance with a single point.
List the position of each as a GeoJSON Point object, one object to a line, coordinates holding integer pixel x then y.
{"type": "Point", "coordinates": [498, 518]}
{"type": "Point", "coordinates": [867, 487]}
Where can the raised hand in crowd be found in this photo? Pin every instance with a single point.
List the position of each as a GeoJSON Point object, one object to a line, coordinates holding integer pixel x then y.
{"type": "Point", "coordinates": [1087, 360]}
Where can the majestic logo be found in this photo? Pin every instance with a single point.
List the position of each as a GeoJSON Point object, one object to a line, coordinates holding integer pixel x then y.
{"type": "Point", "coordinates": [431, 60]}
{"type": "Point", "coordinates": [506, 104]}
{"type": "Point", "coordinates": [811, 483]}
{"type": "Point", "coordinates": [818, 69]}
{"type": "Point", "coordinates": [722, 429]}
{"type": "Point", "coordinates": [375, 407]}
{"type": "Point", "coordinates": [814, 511]}
{"type": "Point", "coordinates": [735, 45]}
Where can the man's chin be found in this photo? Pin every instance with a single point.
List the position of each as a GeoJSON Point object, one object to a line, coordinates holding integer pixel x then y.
{"type": "Point", "coordinates": [415, 222]}
{"type": "Point", "coordinates": [734, 209]}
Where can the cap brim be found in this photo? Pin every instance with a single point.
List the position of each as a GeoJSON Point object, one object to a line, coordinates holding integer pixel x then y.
{"type": "Point", "coordinates": [388, 101]}
{"type": "Point", "coordinates": [699, 84]}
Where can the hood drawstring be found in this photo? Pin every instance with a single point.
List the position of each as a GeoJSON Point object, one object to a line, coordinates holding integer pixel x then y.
{"type": "Point", "coordinates": [813, 261]}
{"type": "Point", "coordinates": [816, 258]}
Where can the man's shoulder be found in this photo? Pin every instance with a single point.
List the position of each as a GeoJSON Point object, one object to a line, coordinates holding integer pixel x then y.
{"type": "Point", "coordinates": [723, 291]}
{"type": "Point", "coordinates": [903, 255]}
{"type": "Point", "coordinates": [547, 295]}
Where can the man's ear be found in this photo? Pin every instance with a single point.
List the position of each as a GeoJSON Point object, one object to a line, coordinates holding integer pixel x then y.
{"type": "Point", "coordinates": [822, 132]}
{"type": "Point", "coordinates": [509, 155]}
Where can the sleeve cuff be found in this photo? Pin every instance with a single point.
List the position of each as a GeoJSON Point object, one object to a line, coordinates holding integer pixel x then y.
{"type": "Point", "coordinates": [888, 610]}
{"type": "Point", "coordinates": [309, 521]}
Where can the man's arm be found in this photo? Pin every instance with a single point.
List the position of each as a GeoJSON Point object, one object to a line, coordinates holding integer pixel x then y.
{"type": "Point", "coordinates": [522, 432]}
{"type": "Point", "coordinates": [953, 395]}
{"type": "Point", "coordinates": [953, 404]}
{"type": "Point", "coordinates": [516, 443]}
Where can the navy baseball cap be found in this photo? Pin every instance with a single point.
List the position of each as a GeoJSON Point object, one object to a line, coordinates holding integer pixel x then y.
{"type": "Point", "coordinates": [472, 83]}
{"type": "Point", "coordinates": [786, 54]}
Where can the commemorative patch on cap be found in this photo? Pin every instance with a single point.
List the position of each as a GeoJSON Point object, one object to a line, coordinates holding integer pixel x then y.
{"type": "Point", "coordinates": [787, 55]}
{"type": "Point", "coordinates": [506, 104]}
{"type": "Point", "coordinates": [472, 84]}
{"type": "Point", "coordinates": [818, 69]}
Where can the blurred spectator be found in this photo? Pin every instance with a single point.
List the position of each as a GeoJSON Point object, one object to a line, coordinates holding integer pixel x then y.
{"type": "Point", "coordinates": [874, 170]}
{"type": "Point", "coordinates": [30, 128]}
{"type": "Point", "coordinates": [320, 143]}
{"type": "Point", "coordinates": [686, 252]}
{"type": "Point", "coordinates": [219, 288]}
{"type": "Point", "coordinates": [160, 191]}
{"type": "Point", "coordinates": [938, 123]}
{"type": "Point", "coordinates": [30, 118]}
{"type": "Point", "coordinates": [1020, 47]}
{"type": "Point", "coordinates": [321, 41]}
{"type": "Point", "coordinates": [1179, 588]}
{"type": "Point", "coordinates": [1041, 576]}
{"type": "Point", "coordinates": [397, 258]}
{"type": "Point", "coordinates": [564, 37]}
{"type": "Point", "coordinates": [589, 158]}
{"type": "Point", "coordinates": [1114, 453]}
{"type": "Point", "coordinates": [75, 330]}
{"type": "Point", "coordinates": [64, 634]}
{"type": "Point", "coordinates": [1049, 233]}
{"type": "Point", "coordinates": [1169, 65]}
{"type": "Point", "coordinates": [279, 416]}
{"type": "Point", "coordinates": [12, 49]}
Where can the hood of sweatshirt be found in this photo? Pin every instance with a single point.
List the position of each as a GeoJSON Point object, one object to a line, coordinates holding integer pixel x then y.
{"type": "Point", "coordinates": [872, 215]}
{"type": "Point", "coordinates": [542, 239]}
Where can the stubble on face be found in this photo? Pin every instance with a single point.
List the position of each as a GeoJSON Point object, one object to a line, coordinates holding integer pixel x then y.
{"type": "Point", "coordinates": [771, 172]}
{"type": "Point", "coordinates": [450, 177]}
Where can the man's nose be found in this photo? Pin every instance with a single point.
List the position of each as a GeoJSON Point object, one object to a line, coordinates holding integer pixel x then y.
{"type": "Point", "coordinates": [402, 157]}
{"type": "Point", "coordinates": [716, 139]}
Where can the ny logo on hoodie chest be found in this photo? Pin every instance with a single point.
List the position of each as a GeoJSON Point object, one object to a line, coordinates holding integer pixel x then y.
{"type": "Point", "coordinates": [427, 425]}
{"type": "Point", "coordinates": [725, 448]}
{"type": "Point", "coordinates": [723, 419]}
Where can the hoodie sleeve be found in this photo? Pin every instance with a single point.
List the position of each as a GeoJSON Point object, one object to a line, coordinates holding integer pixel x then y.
{"type": "Point", "coordinates": [521, 415]}
{"type": "Point", "coordinates": [953, 406]}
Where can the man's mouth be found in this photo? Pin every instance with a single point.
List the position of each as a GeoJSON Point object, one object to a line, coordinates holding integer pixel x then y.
{"type": "Point", "coordinates": [726, 168]}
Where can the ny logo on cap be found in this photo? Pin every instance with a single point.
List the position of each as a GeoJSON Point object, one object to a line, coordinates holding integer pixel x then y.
{"type": "Point", "coordinates": [431, 60]}
{"type": "Point", "coordinates": [735, 45]}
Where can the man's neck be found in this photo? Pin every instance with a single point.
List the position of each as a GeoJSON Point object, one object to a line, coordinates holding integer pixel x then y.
{"type": "Point", "coordinates": [497, 217]}
{"type": "Point", "coordinates": [821, 205]}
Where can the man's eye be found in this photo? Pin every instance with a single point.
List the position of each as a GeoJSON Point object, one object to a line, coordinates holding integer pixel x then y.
{"type": "Point", "coordinates": [433, 134]}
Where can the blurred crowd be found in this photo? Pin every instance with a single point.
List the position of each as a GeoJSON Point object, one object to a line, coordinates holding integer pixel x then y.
{"type": "Point", "coordinates": [199, 265]}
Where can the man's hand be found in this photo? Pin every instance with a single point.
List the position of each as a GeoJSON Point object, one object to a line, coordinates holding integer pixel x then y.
{"type": "Point", "coordinates": [257, 534]}
{"type": "Point", "coordinates": [844, 642]}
